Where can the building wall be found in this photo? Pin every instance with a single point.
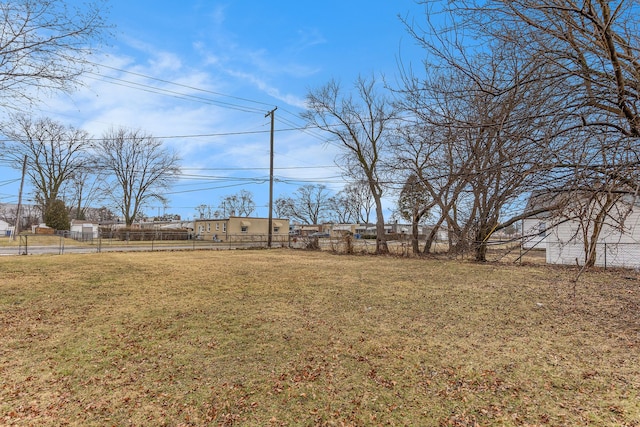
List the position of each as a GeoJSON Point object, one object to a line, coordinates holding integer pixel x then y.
{"type": "Point", "coordinates": [616, 247]}
{"type": "Point", "coordinates": [240, 228]}
{"type": "Point", "coordinates": [83, 229]}
{"type": "Point", "coordinates": [534, 231]}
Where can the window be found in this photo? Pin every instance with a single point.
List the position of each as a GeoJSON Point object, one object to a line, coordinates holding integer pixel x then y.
{"type": "Point", "coordinates": [200, 228]}
{"type": "Point", "coordinates": [208, 227]}
{"type": "Point", "coordinates": [244, 228]}
{"type": "Point", "coordinates": [276, 229]}
{"type": "Point", "coordinates": [224, 227]}
{"type": "Point", "coordinates": [217, 226]}
{"type": "Point", "coordinates": [542, 228]}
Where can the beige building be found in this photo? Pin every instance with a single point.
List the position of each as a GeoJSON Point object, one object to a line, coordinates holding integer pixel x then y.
{"type": "Point", "coordinates": [240, 229]}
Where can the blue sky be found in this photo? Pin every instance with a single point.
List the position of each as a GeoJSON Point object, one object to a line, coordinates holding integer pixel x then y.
{"type": "Point", "coordinates": [201, 75]}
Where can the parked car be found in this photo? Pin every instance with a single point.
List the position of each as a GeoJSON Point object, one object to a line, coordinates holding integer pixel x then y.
{"type": "Point", "coordinates": [319, 234]}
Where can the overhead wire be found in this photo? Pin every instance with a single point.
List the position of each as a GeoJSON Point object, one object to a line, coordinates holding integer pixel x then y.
{"type": "Point", "coordinates": [292, 126]}
{"type": "Point", "coordinates": [134, 85]}
{"type": "Point", "coordinates": [179, 95]}
{"type": "Point", "coordinates": [183, 85]}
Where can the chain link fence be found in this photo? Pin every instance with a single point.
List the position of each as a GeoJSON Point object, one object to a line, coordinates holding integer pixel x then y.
{"type": "Point", "coordinates": [158, 240]}
{"type": "Point", "coordinates": [626, 255]}
{"type": "Point", "coordinates": [131, 240]}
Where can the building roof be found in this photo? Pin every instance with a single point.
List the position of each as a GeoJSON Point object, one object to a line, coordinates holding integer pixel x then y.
{"type": "Point", "coordinates": [538, 201]}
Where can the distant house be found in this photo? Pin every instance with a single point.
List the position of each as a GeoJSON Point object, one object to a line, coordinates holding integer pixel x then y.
{"type": "Point", "coordinates": [312, 229]}
{"type": "Point", "coordinates": [83, 230]}
{"type": "Point", "coordinates": [42, 229]}
{"type": "Point", "coordinates": [535, 226]}
{"type": "Point", "coordinates": [617, 246]}
{"type": "Point", "coordinates": [339, 230]}
{"type": "Point", "coordinates": [371, 229]}
{"type": "Point", "coordinates": [237, 228]}
{"type": "Point", "coordinates": [5, 229]}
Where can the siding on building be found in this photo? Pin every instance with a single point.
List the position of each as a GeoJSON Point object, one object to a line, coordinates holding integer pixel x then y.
{"type": "Point", "coordinates": [617, 247]}
{"type": "Point", "coordinates": [237, 228]}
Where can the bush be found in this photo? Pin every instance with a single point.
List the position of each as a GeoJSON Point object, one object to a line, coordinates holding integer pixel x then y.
{"type": "Point", "coordinates": [57, 216]}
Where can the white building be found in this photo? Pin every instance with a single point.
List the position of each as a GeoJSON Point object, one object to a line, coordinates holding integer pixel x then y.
{"type": "Point", "coordinates": [617, 246]}
{"type": "Point", "coordinates": [83, 230]}
{"type": "Point", "coordinates": [5, 228]}
{"type": "Point", "coordinates": [534, 227]}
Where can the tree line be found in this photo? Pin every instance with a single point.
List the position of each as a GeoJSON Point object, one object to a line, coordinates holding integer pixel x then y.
{"type": "Point", "coordinates": [309, 204]}
{"type": "Point", "coordinates": [71, 171]}
{"type": "Point", "coordinates": [511, 98]}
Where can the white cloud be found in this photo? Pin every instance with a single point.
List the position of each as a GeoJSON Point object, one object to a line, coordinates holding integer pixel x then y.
{"type": "Point", "coordinates": [116, 97]}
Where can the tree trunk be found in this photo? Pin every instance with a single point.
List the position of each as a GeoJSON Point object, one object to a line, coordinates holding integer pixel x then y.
{"type": "Point", "coordinates": [433, 234]}
{"type": "Point", "coordinates": [591, 245]}
{"type": "Point", "coordinates": [481, 251]}
{"type": "Point", "coordinates": [480, 244]}
{"type": "Point", "coordinates": [381, 238]}
{"type": "Point", "coordinates": [414, 237]}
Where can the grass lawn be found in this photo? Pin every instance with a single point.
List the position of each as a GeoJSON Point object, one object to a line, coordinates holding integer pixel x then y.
{"type": "Point", "coordinates": [271, 338]}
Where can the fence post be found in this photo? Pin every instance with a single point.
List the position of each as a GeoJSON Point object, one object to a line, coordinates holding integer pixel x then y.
{"type": "Point", "coordinates": [605, 256]}
{"type": "Point", "coordinates": [61, 250]}
{"type": "Point", "coordinates": [521, 244]}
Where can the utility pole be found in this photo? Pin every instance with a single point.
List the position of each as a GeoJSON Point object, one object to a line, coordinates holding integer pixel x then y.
{"type": "Point", "coordinates": [270, 224]}
{"type": "Point", "coordinates": [16, 228]}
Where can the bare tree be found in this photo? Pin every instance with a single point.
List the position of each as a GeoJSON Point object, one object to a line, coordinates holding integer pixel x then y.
{"type": "Point", "coordinates": [592, 45]}
{"type": "Point", "coordinates": [590, 54]}
{"type": "Point", "coordinates": [414, 204]}
{"type": "Point", "coordinates": [356, 201]}
{"type": "Point", "coordinates": [283, 206]}
{"type": "Point", "coordinates": [205, 211]}
{"type": "Point", "coordinates": [239, 204]}
{"type": "Point", "coordinates": [490, 110]}
{"type": "Point", "coordinates": [55, 154]}
{"type": "Point", "coordinates": [44, 45]}
{"type": "Point", "coordinates": [30, 215]}
{"type": "Point", "coordinates": [342, 208]}
{"type": "Point", "coordinates": [361, 126]}
{"type": "Point", "coordinates": [138, 168]}
{"type": "Point", "coordinates": [309, 204]}
{"type": "Point", "coordinates": [82, 190]}
{"type": "Point", "coordinates": [422, 149]}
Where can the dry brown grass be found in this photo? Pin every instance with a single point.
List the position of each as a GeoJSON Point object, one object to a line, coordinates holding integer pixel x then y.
{"type": "Point", "coordinates": [310, 338]}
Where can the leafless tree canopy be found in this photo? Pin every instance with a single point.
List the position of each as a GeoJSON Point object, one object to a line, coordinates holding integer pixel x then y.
{"type": "Point", "coordinates": [239, 204]}
{"type": "Point", "coordinates": [353, 203]}
{"type": "Point", "coordinates": [44, 45]}
{"type": "Point", "coordinates": [55, 154]}
{"type": "Point", "coordinates": [138, 170]}
{"type": "Point", "coordinates": [518, 96]}
{"type": "Point", "coordinates": [360, 124]}
{"type": "Point", "coordinates": [591, 45]}
{"type": "Point", "coordinates": [477, 135]}
{"type": "Point", "coordinates": [309, 204]}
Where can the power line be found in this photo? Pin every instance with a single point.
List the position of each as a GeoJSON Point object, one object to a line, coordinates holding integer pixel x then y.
{"type": "Point", "coordinates": [8, 182]}
{"type": "Point", "coordinates": [265, 168]}
{"type": "Point", "coordinates": [215, 188]}
{"type": "Point", "coordinates": [153, 89]}
{"type": "Point", "coordinates": [199, 135]}
{"type": "Point", "coordinates": [160, 91]}
{"type": "Point", "coordinates": [183, 85]}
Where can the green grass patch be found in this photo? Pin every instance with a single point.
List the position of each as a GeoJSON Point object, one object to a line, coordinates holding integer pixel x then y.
{"type": "Point", "coordinates": [309, 338]}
